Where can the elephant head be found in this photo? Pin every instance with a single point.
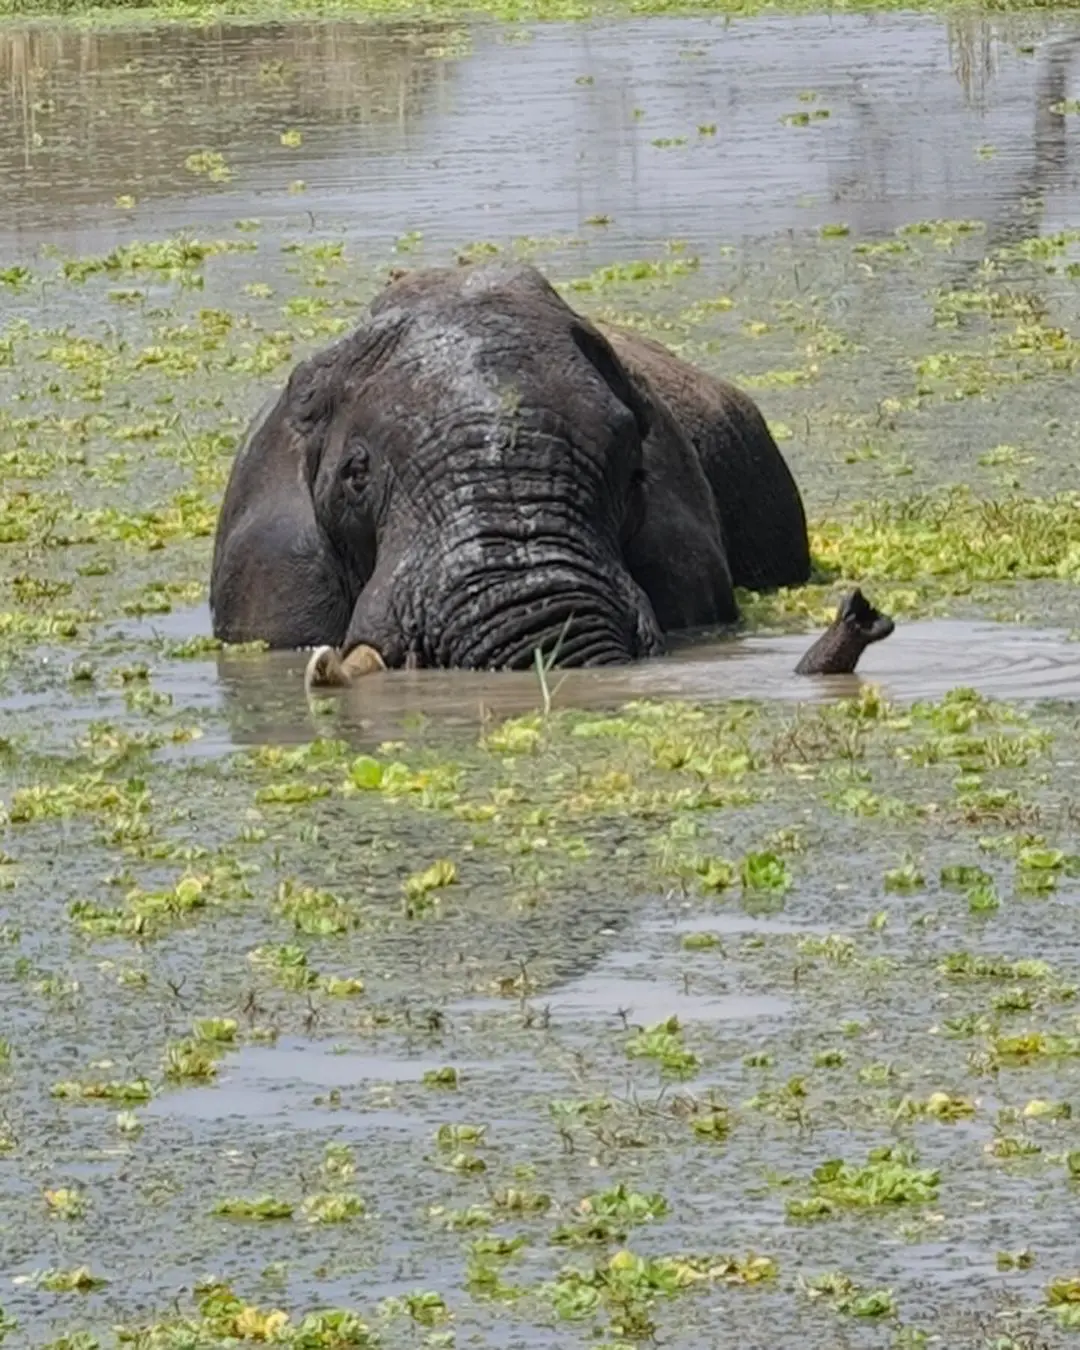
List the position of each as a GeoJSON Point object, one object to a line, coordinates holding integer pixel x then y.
{"type": "Point", "coordinates": [476, 474]}
{"type": "Point", "coordinates": [473, 460]}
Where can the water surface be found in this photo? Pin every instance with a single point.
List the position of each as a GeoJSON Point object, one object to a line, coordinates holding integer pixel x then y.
{"type": "Point", "coordinates": [667, 127]}
{"type": "Point", "coordinates": [922, 660]}
{"type": "Point", "coordinates": [847, 913]}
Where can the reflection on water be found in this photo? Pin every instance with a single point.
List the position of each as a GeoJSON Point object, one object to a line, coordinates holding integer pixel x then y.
{"type": "Point", "coordinates": [264, 697]}
{"type": "Point", "coordinates": [282, 1081]}
{"type": "Point", "coordinates": [643, 999]}
{"type": "Point", "coordinates": [96, 115]}
{"type": "Point", "coordinates": [670, 127]}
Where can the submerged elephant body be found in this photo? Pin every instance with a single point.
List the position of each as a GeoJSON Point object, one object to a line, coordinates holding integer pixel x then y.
{"type": "Point", "coordinates": [478, 472]}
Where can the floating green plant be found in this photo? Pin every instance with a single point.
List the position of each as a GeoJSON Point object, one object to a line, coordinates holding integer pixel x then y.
{"type": "Point", "coordinates": [446, 1077]}
{"type": "Point", "coordinates": [664, 1043]}
{"type": "Point", "coordinates": [765, 871]}
{"type": "Point", "coordinates": [421, 888]}
{"type": "Point", "coordinates": [627, 1286]}
{"type": "Point", "coordinates": [263, 1209]}
{"type": "Point", "coordinates": [844, 1296]}
{"type": "Point", "coordinates": [135, 1090]}
{"type": "Point", "coordinates": [906, 878]}
{"type": "Point", "coordinates": [79, 1280]}
{"type": "Point", "coordinates": [332, 1207]}
{"type": "Point", "coordinates": [315, 912]}
{"type": "Point", "coordinates": [66, 1202]}
{"type": "Point", "coordinates": [702, 942]}
{"type": "Point", "coordinates": [222, 1317]}
{"type": "Point", "coordinates": [609, 1215]}
{"type": "Point", "coordinates": [454, 1136]}
{"type": "Point", "coordinates": [190, 1061]}
{"type": "Point", "coordinates": [887, 1178]}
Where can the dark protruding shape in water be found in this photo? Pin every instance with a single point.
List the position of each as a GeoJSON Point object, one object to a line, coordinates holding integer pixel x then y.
{"type": "Point", "coordinates": [837, 650]}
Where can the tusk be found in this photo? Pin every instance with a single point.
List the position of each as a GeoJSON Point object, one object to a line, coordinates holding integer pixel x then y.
{"type": "Point", "coordinates": [362, 660]}
{"type": "Point", "coordinates": [324, 670]}
{"type": "Point", "coordinates": [327, 669]}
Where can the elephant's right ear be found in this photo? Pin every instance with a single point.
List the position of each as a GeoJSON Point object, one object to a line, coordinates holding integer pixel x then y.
{"type": "Point", "coordinates": [601, 356]}
{"type": "Point", "coordinates": [329, 381]}
{"type": "Point", "coordinates": [308, 404]}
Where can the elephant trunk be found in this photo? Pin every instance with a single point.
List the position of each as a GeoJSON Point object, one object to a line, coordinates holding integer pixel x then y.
{"type": "Point", "coordinates": [476, 612]}
{"type": "Point", "coordinates": [837, 650]}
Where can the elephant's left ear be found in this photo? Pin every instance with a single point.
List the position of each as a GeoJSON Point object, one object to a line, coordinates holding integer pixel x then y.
{"type": "Point", "coordinates": [601, 356]}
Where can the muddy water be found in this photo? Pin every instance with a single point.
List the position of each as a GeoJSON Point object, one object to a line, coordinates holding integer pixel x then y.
{"type": "Point", "coordinates": [471, 132]}
{"type": "Point", "coordinates": [259, 698]}
{"type": "Point", "coordinates": [781, 878]}
{"type": "Point", "coordinates": [922, 660]}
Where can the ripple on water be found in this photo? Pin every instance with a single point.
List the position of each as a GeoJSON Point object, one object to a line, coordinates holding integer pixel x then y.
{"type": "Point", "coordinates": [263, 696]}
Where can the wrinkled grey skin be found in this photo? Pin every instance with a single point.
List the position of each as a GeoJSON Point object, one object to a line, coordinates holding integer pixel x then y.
{"type": "Point", "coordinates": [478, 472]}
{"type": "Point", "coordinates": [838, 649]}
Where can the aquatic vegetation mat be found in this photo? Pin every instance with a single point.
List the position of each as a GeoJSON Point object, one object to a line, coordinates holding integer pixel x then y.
{"type": "Point", "coordinates": [574, 1028]}
{"type": "Point", "coordinates": [539, 11]}
{"type": "Point", "coordinates": [285, 1037]}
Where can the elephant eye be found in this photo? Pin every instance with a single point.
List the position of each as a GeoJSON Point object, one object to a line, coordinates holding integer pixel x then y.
{"type": "Point", "coordinates": [354, 468]}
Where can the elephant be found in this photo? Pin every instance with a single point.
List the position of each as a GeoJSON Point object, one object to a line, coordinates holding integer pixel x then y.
{"type": "Point", "coordinates": [478, 473]}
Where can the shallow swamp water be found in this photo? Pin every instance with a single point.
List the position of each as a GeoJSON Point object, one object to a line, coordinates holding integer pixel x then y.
{"type": "Point", "coordinates": [692, 1002]}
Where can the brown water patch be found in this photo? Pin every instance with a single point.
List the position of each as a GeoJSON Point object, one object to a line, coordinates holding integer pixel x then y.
{"type": "Point", "coordinates": [923, 660]}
